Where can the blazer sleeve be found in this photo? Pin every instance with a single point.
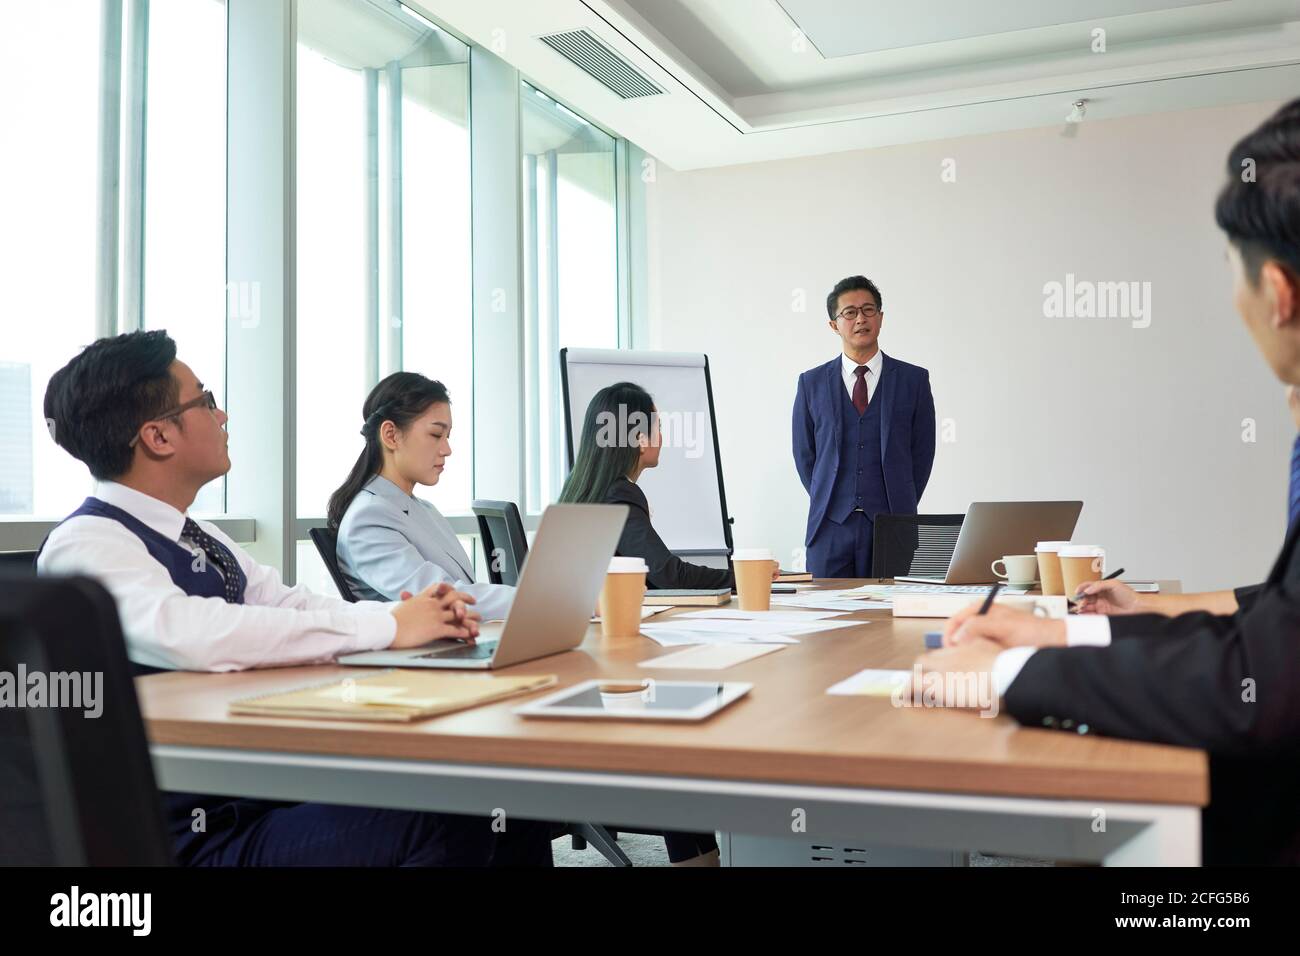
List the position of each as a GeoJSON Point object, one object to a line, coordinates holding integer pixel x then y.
{"type": "Point", "coordinates": [805, 447]}
{"type": "Point", "coordinates": [923, 437]}
{"type": "Point", "coordinates": [1222, 683]}
{"type": "Point", "coordinates": [640, 540]}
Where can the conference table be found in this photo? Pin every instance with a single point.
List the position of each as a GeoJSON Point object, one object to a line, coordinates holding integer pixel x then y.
{"type": "Point", "coordinates": [787, 762]}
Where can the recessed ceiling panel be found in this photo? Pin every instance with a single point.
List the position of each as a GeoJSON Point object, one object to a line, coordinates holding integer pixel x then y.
{"type": "Point", "coordinates": [838, 28]}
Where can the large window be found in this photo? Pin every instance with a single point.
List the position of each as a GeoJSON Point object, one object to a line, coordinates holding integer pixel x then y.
{"type": "Point", "coordinates": [96, 239]}
{"type": "Point", "coordinates": [570, 267]}
{"type": "Point", "coordinates": [48, 188]}
{"type": "Point", "coordinates": [122, 210]}
{"type": "Point", "coordinates": [185, 195]}
{"type": "Point", "coordinates": [383, 235]}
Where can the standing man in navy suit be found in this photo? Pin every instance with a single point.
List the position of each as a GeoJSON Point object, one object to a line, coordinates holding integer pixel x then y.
{"type": "Point", "coordinates": [863, 435]}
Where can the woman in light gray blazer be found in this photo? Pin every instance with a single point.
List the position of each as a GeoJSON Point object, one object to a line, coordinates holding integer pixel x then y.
{"type": "Point", "coordinates": [389, 541]}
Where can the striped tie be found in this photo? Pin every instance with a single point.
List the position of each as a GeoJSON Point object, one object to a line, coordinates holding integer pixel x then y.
{"type": "Point", "coordinates": [221, 556]}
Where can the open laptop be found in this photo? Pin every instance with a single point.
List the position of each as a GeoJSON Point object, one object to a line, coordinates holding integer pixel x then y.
{"type": "Point", "coordinates": [558, 587]}
{"type": "Point", "coordinates": [993, 529]}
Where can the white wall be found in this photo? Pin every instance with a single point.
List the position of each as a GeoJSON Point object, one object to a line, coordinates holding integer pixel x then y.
{"type": "Point", "coordinates": [1144, 425]}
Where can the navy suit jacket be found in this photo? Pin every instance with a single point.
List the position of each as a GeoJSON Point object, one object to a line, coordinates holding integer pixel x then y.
{"type": "Point", "coordinates": [906, 434]}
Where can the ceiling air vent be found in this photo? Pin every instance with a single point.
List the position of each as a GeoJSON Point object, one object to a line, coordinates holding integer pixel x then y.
{"type": "Point", "coordinates": [593, 57]}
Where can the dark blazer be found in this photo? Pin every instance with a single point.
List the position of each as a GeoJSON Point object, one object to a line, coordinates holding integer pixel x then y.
{"type": "Point", "coordinates": [906, 434]}
{"type": "Point", "coordinates": [639, 540]}
{"type": "Point", "coordinates": [1229, 684]}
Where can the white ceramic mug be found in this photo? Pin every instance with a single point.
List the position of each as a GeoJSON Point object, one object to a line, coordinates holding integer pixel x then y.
{"type": "Point", "coordinates": [1019, 570]}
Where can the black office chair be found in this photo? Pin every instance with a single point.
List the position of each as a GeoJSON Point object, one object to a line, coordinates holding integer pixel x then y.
{"type": "Point", "coordinates": [504, 543]}
{"type": "Point", "coordinates": [76, 791]}
{"type": "Point", "coordinates": [913, 545]}
{"type": "Point", "coordinates": [326, 542]}
{"type": "Point", "coordinates": [18, 562]}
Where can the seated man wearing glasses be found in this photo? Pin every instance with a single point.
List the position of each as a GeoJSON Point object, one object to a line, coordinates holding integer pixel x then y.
{"type": "Point", "coordinates": [190, 598]}
{"type": "Point", "coordinates": [863, 435]}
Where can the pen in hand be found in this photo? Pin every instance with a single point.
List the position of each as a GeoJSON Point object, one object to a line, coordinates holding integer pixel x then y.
{"type": "Point", "coordinates": [988, 601]}
{"type": "Point", "coordinates": [1076, 597]}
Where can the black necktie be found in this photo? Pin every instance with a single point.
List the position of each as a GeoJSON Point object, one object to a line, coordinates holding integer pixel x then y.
{"type": "Point", "coordinates": [222, 557]}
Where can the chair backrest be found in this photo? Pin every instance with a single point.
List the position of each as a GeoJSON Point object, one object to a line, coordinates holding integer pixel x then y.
{"type": "Point", "coordinates": [326, 542]}
{"type": "Point", "coordinates": [913, 545]}
{"type": "Point", "coordinates": [504, 542]}
{"type": "Point", "coordinates": [78, 786]}
{"type": "Point", "coordinates": [18, 562]}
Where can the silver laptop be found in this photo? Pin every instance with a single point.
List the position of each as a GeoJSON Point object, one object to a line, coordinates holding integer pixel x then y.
{"type": "Point", "coordinates": [558, 588]}
{"type": "Point", "coordinates": [993, 529]}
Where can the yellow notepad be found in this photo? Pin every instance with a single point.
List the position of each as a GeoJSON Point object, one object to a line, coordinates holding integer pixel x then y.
{"type": "Point", "coordinates": [390, 695]}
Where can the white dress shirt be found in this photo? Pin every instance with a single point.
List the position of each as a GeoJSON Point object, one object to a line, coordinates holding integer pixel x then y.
{"type": "Point", "coordinates": [165, 627]}
{"type": "Point", "coordinates": [1081, 630]}
{"type": "Point", "coordinates": [847, 370]}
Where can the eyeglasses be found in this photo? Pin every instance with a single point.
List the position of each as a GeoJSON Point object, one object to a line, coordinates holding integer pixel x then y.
{"type": "Point", "coordinates": [207, 398]}
{"type": "Point", "coordinates": [851, 313]}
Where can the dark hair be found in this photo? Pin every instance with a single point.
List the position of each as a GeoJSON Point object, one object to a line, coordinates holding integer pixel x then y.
{"type": "Point", "coordinates": [400, 398]}
{"type": "Point", "coordinates": [96, 403]}
{"type": "Point", "coordinates": [600, 462]}
{"type": "Point", "coordinates": [851, 284]}
{"type": "Point", "coordinates": [1261, 213]}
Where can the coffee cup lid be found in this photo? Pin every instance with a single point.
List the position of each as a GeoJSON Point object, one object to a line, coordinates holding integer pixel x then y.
{"type": "Point", "coordinates": [1050, 545]}
{"type": "Point", "coordinates": [1082, 551]}
{"type": "Point", "coordinates": [627, 565]}
{"type": "Point", "coordinates": [752, 554]}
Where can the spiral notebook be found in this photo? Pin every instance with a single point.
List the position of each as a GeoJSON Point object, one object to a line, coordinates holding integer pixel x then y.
{"type": "Point", "coordinates": [390, 695]}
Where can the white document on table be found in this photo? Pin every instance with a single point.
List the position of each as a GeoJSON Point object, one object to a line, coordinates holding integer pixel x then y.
{"type": "Point", "coordinates": [747, 628]}
{"type": "Point", "coordinates": [840, 604]}
{"type": "Point", "coordinates": [777, 614]}
{"type": "Point", "coordinates": [872, 683]}
{"type": "Point", "coordinates": [712, 657]}
{"type": "Point", "coordinates": [673, 637]}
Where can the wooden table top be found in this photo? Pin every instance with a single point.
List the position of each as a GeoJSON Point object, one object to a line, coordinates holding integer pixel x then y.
{"type": "Point", "coordinates": [786, 730]}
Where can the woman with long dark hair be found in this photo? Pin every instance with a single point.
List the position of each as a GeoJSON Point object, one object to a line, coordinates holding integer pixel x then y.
{"type": "Point", "coordinates": [620, 440]}
{"type": "Point", "coordinates": [389, 541]}
{"type": "Point", "coordinates": [605, 472]}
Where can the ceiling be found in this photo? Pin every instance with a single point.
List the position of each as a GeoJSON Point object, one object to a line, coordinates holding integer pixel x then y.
{"type": "Point", "coordinates": [752, 80]}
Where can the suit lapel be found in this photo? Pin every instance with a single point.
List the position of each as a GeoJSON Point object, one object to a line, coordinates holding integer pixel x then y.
{"type": "Point", "coordinates": [834, 386]}
{"type": "Point", "coordinates": [444, 537]}
{"type": "Point", "coordinates": [436, 531]}
{"type": "Point", "coordinates": [885, 393]}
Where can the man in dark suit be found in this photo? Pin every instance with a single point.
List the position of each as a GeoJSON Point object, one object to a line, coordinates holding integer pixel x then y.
{"type": "Point", "coordinates": [863, 435]}
{"type": "Point", "coordinates": [1227, 682]}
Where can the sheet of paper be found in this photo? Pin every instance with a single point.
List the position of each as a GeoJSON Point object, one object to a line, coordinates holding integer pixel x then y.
{"type": "Point", "coordinates": [746, 628]}
{"type": "Point", "coordinates": [871, 683]}
{"type": "Point", "coordinates": [825, 603]}
{"type": "Point", "coordinates": [712, 657]}
{"type": "Point", "coordinates": [675, 637]}
{"type": "Point", "coordinates": [778, 614]}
